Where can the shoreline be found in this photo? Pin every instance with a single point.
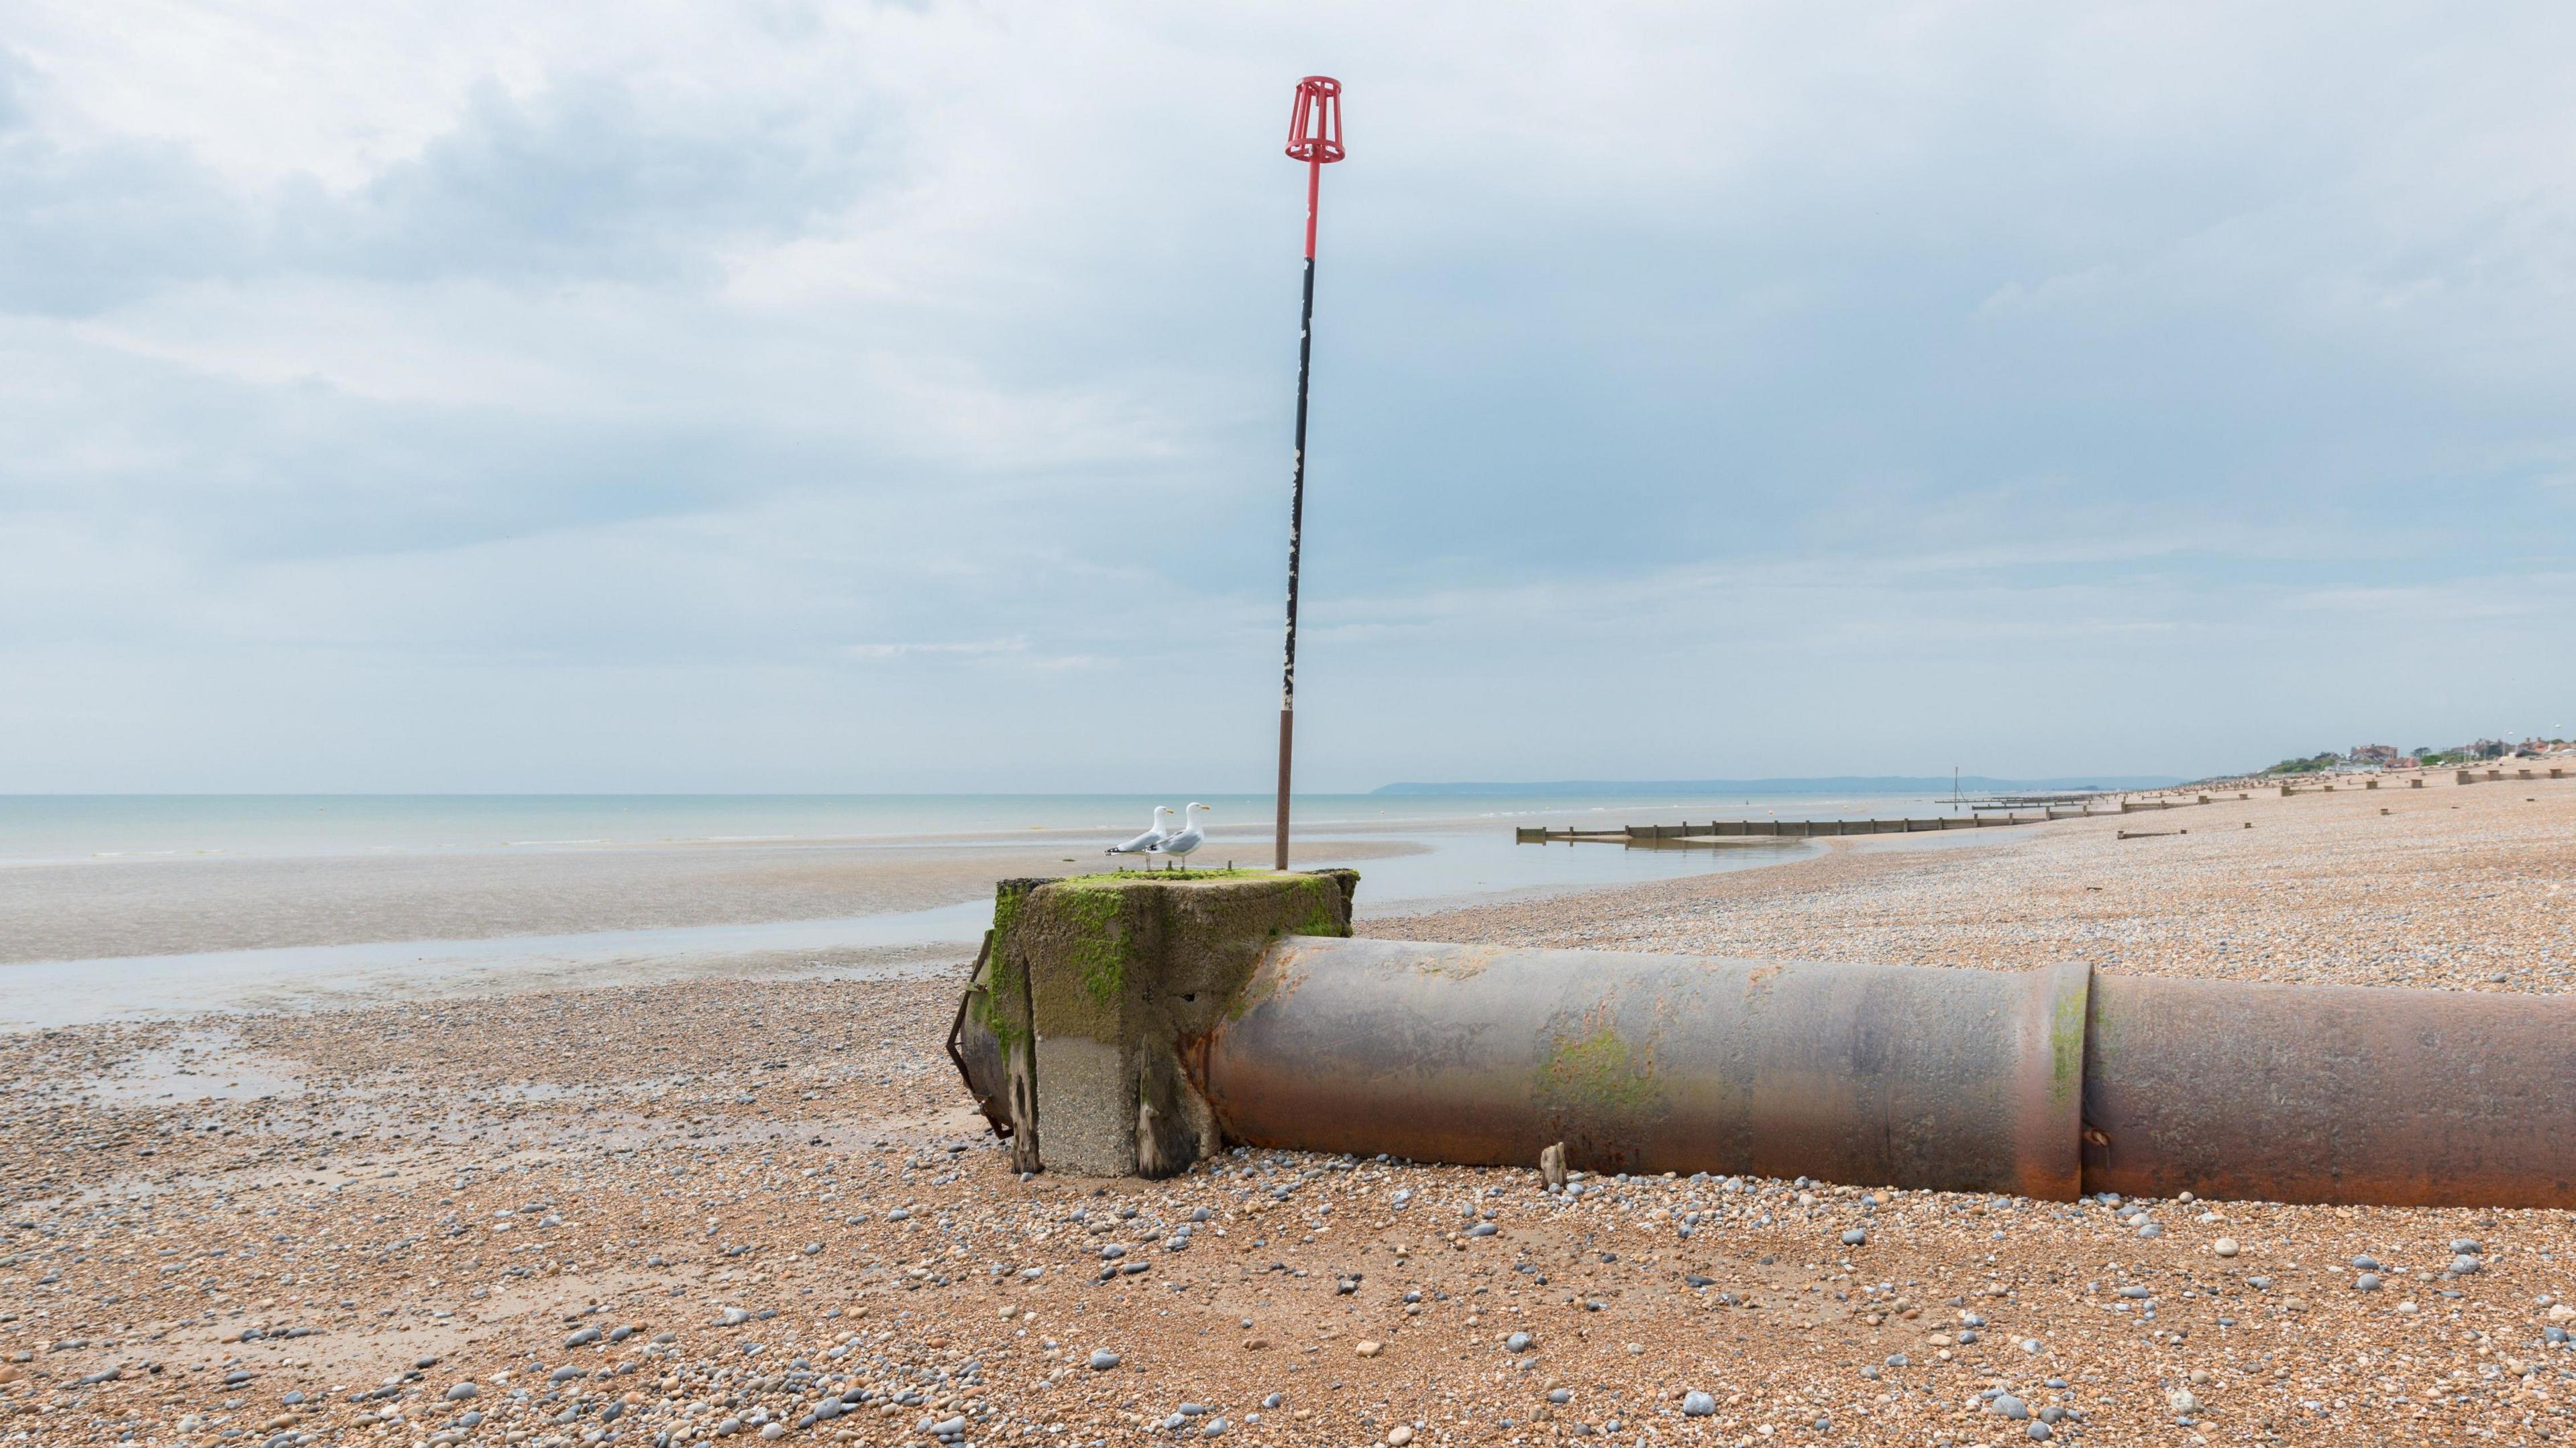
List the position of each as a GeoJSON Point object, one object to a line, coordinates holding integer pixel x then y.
{"type": "Point", "coordinates": [318, 1219]}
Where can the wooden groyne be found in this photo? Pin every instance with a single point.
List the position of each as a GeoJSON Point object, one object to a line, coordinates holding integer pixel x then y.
{"type": "Point", "coordinates": [1810, 829]}
{"type": "Point", "coordinates": [1780, 829]}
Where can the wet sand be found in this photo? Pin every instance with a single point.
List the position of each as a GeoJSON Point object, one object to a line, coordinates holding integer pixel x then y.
{"type": "Point", "coordinates": [770, 1201]}
{"type": "Point", "coordinates": [83, 909]}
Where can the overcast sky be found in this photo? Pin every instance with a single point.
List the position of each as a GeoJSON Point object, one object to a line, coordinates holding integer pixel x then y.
{"type": "Point", "coordinates": [787, 396]}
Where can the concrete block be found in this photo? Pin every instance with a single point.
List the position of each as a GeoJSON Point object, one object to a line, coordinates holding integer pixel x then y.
{"type": "Point", "coordinates": [1121, 973]}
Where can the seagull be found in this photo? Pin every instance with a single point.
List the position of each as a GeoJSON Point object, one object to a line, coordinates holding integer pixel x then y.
{"type": "Point", "coordinates": [1145, 843]}
{"type": "Point", "coordinates": [1190, 837]}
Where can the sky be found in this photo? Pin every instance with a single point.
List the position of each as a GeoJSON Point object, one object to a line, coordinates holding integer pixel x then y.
{"type": "Point", "coordinates": [784, 396]}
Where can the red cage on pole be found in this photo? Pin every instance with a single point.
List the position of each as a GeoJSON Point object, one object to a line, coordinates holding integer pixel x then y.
{"type": "Point", "coordinates": [1314, 137]}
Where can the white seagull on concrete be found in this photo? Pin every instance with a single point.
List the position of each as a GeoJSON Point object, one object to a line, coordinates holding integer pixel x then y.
{"type": "Point", "coordinates": [1177, 846]}
{"type": "Point", "coordinates": [1144, 844]}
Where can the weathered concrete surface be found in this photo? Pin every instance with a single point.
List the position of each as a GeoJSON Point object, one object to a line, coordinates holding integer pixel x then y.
{"type": "Point", "coordinates": [1092, 987]}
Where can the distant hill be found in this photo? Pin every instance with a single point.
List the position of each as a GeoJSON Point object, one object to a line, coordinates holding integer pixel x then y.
{"type": "Point", "coordinates": [1830, 784]}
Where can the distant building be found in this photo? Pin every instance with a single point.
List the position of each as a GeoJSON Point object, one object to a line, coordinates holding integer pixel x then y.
{"type": "Point", "coordinates": [2383, 755]}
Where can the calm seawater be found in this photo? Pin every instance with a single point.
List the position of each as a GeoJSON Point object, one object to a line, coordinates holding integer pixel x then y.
{"type": "Point", "coordinates": [1457, 850]}
{"type": "Point", "coordinates": [77, 827]}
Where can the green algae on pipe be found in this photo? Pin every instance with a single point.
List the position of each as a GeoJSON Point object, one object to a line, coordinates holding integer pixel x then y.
{"type": "Point", "coordinates": [1959, 1079]}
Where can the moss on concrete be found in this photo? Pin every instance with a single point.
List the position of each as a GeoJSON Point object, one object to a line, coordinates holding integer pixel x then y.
{"type": "Point", "coordinates": [1003, 969]}
{"type": "Point", "coordinates": [1162, 877]}
{"type": "Point", "coordinates": [1122, 970]}
{"type": "Point", "coordinates": [1326, 909]}
{"type": "Point", "coordinates": [1099, 949]}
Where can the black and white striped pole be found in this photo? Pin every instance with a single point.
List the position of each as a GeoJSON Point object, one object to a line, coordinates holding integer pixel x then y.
{"type": "Point", "coordinates": [1314, 137]}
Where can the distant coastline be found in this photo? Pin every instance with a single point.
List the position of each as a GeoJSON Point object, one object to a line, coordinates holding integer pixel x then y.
{"type": "Point", "coordinates": [1828, 784]}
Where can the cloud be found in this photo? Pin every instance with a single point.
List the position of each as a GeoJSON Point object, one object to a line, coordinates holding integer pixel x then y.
{"type": "Point", "coordinates": [582, 182]}
{"type": "Point", "coordinates": [895, 393]}
{"type": "Point", "coordinates": [975, 648]}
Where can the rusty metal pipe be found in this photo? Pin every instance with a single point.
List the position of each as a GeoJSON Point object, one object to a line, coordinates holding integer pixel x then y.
{"type": "Point", "coordinates": [2293, 1093]}
{"type": "Point", "coordinates": [1648, 1063]}
{"type": "Point", "coordinates": [2043, 1083]}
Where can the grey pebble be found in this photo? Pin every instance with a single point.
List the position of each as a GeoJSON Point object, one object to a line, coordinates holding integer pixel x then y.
{"type": "Point", "coordinates": [1855, 1237]}
{"type": "Point", "coordinates": [2464, 1264]}
{"type": "Point", "coordinates": [1103, 1360]}
{"type": "Point", "coordinates": [2011, 1407]}
{"type": "Point", "coordinates": [2366, 1282]}
{"type": "Point", "coordinates": [586, 1335]}
{"type": "Point", "coordinates": [459, 1392]}
{"type": "Point", "coordinates": [2040, 1432]}
{"type": "Point", "coordinates": [1696, 1404]}
{"type": "Point", "coordinates": [1212, 1428]}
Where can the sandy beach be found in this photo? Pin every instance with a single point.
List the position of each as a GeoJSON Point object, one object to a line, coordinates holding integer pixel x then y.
{"type": "Point", "coordinates": [101, 939]}
{"type": "Point", "coordinates": [84, 909]}
{"type": "Point", "coordinates": [702, 1208]}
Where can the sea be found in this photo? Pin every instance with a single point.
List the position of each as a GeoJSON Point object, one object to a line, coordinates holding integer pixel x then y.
{"type": "Point", "coordinates": [1467, 839]}
{"type": "Point", "coordinates": [1448, 850]}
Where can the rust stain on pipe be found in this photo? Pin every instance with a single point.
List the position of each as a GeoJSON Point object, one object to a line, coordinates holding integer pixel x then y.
{"type": "Point", "coordinates": [2340, 1094]}
{"type": "Point", "coordinates": [1962, 1079]}
{"type": "Point", "coordinates": [2043, 1083]}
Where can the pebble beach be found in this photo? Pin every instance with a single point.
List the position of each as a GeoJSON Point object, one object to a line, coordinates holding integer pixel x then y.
{"type": "Point", "coordinates": [690, 1210]}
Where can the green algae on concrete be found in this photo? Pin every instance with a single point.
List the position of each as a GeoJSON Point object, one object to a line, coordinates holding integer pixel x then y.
{"type": "Point", "coordinates": [1106, 946]}
{"type": "Point", "coordinates": [1100, 941]}
{"type": "Point", "coordinates": [1003, 970]}
{"type": "Point", "coordinates": [1124, 969]}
